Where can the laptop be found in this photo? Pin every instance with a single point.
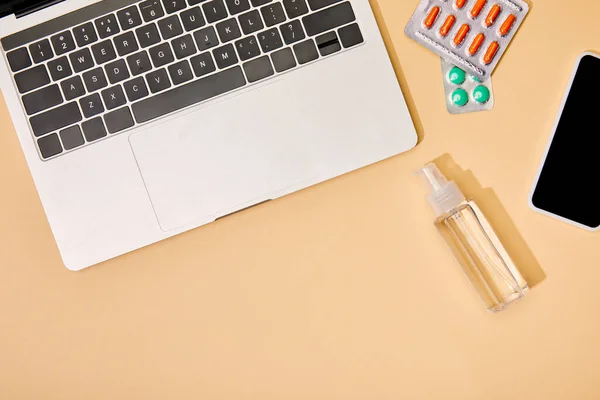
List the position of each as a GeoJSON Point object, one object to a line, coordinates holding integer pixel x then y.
{"type": "Point", "coordinates": [140, 120]}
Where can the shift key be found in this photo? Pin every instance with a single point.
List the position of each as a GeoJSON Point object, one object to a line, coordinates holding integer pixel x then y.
{"type": "Point", "coordinates": [55, 119]}
{"type": "Point", "coordinates": [328, 19]}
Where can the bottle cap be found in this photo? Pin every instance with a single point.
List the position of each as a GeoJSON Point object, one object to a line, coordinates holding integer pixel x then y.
{"type": "Point", "coordinates": [444, 195]}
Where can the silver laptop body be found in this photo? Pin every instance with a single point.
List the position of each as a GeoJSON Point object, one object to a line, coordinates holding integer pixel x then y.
{"type": "Point", "coordinates": [210, 107]}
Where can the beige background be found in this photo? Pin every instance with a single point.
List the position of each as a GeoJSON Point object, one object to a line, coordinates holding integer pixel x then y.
{"type": "Point", "coordinates": [342, 291]}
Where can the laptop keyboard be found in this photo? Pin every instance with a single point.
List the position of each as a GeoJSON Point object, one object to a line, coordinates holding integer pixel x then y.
{"type": "Point", "coordinates": [132, 62]}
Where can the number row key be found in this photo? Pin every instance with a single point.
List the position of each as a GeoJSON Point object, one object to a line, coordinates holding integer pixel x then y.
{"type": "Point", "coordinates": [82, 35]}
{"type": "Point", "coordinates": [87, 33]}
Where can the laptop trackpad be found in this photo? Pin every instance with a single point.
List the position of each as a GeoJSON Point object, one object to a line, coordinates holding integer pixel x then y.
{"type": "Point", "coordinates": [212, 161]}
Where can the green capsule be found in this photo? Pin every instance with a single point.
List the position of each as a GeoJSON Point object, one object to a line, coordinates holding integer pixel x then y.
{"type": "Point", "coordinates": [481, 94]}
{"type": "Point", "coordinates": [457, 76]}
{"type": "Point", "coordinates": [460, 97]}
{"type": "Point", "coordinates": [475, 79]}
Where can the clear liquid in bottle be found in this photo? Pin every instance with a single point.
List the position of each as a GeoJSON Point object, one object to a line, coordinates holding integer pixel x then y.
{"type": "Point", "coordinates": [484, 259]}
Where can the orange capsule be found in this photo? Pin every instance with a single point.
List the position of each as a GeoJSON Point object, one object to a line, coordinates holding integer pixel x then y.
{"type": "Point", "coordinates": [460, 3]}
{"type": "Point", "coordinates": [476, 10]}
{"type": "Point", "coordinates": [447, 26]}
{"type": "Point", "coordinates": [477, 42]}
{"type": "Point", "coordinates": [507, 25]}
{"type": "Point", "coordinates": [493, 15]}
{"type": "Point", "coordinates": [491, 53]}
{"type": "Point", "coordinates": [461, 34]}
{"type": "Point", "coordinates": [432, 17]}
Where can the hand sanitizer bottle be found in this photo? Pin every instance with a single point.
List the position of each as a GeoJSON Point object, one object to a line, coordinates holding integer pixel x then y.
{"type": "Point", "coordinates": [474, 243]}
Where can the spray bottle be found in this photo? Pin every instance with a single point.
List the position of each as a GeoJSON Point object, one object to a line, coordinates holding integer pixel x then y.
{"type": "Point", "coordinates": [475, 244]}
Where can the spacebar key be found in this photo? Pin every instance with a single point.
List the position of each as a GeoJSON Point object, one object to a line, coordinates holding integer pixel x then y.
{"type": "Point", "coordinates": [187, 95]}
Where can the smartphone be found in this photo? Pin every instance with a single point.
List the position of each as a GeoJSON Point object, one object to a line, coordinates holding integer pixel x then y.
{"type": "Point", "coordinates": [568, 182]}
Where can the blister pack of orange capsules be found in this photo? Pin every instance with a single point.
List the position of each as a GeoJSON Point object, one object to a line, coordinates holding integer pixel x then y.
{"type": "Point", "coordinates": [472, 34]}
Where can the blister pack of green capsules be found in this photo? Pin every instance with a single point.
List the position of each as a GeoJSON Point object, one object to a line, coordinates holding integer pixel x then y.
{"type": "Point", "coordinates": [465, 93]}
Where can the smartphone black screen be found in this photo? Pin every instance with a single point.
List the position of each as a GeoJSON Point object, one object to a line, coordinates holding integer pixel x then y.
{"type": "Point", "coordinates": [569, 184]}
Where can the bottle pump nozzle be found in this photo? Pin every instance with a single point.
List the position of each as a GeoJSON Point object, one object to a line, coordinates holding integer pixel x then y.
{"type": "Point", "coordinates": [444, 195]}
